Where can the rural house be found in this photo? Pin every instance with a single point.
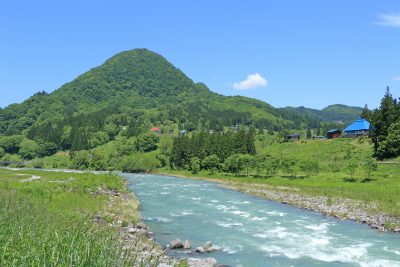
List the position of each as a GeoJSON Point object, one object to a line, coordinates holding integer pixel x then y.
{"type": "Point", "coordinates": [334, 133]}
{"type": "Point", "coordinates": [319, 137]}
{"type": "Point", "coordinates": [358, 128]}
{"type": "Point", "coordinates": [293, 137]}
{"type": "Point", "coordinates": [156, 130]}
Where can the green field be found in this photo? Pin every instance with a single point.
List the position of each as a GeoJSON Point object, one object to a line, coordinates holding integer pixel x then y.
{"type": "Point", "coordinates": [46, 219]}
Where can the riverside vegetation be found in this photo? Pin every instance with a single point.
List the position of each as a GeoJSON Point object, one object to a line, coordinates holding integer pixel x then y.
{"type": "Point", "coordinates": [69, 219]}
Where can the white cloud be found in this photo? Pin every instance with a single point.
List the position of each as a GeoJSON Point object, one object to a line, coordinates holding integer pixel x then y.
{"type": "Point", "coordinates": [389, 20]}
{"type": "Point", "coordinates": [396, 78]}
{"type": "Point", "coordinates": [252, 81]}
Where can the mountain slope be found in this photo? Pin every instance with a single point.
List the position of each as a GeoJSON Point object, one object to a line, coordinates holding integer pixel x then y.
{"type": "Point", "coordinates": [332, 113]}
{"type": "Point", "coordinates": [133, 90]}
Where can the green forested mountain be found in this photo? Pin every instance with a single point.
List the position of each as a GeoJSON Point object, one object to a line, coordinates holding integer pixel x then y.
{"type": "Point", "coordinates": [331, 113]}
{"type": "Point", "coordinates": [131, 92]}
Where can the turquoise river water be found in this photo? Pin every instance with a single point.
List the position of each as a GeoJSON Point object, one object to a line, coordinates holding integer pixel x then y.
{"type": "Point", "coordinates": [250, 231]}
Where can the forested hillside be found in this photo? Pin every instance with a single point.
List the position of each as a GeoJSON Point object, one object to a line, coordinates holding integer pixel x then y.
{"type": "Point", "coordinates": [127, 95]}
{"type": "Point", "coordinates": [332, 113]}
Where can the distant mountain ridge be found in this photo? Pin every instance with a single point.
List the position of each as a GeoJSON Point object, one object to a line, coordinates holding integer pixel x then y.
{"type": "Point", "coordinates": [331, 113]}
{"type": "Point", "coordinates": [137, 89]}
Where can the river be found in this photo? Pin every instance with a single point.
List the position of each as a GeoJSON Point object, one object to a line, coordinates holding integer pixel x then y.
{"type": "Point", "coordinates": [250, 231]}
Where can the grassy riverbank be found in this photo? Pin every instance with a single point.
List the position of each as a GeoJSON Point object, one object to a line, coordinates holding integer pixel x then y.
{"type": "Point", "coordinates": [67, 219]}
{"type": "Point", "coordinates": [337, 197]}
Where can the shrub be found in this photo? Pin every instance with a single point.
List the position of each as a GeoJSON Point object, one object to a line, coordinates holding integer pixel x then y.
{"type": "Point", "coordinates": [195, 165]}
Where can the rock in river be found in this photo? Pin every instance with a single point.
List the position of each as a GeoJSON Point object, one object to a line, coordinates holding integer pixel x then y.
{"type": "Point", "coordinates": [207, 245]}
{"type": "Point", "coordinates": [176, 244]}
{"type": "Point", "coordinates": [199, 250]}
{"type": "Point", "coordinates": [186, 244]}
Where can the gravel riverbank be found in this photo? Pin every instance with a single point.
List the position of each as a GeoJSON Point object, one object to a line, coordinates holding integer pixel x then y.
{"type": "Point", "coordinates": [346, 209]}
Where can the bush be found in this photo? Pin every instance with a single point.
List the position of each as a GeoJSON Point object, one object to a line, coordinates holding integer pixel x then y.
{"type": "Point", "coordinates": [80, 160]}
{"type": "Point", "coordinates": [2, 152]}
{"type": "Point", "coordinates": [140, 162]}
{"type": "Point", "coordinates": [38, 163]}
{"type": "Point", "coordinates": [195, 165]}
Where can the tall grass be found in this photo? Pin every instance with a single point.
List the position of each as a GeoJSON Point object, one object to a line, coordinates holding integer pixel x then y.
{"type": "Point", "coordinates": [49, 221]}
{"type": "Point", "coordinates": [31, 235]}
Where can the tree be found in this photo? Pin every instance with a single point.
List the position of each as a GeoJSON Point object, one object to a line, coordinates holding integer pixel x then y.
{"type": "Point", "coordinates": [259, 163]}
{"type": "Point", "coordinates": [282, 137]}
{"type": "Point", "coordinates": [382, 120]}
{"type": "Point", "coordinates": [46, 149]}
{"type": "Point", "coordinates": [370, 166]}
{"type": "Point", "coordinates": [309, 134]}
{"type": "Point", "coordinates": [366, 113]}
{"type": "Point", "coordinates": [98, 138]}
{"type": "Point", "coordinates": [2, 152]}
{"type": "Point", "coordinates": [163, 159]}
{"type": "Point", "coordinates": [390, 146]}
{"type": "Point", "coordinates": [195, 165]}
{"type": "Point", "coordinates": [232, 164]}
{"type": "Point", "coordinates": [309, 167]}
{"type": "Point", "coordinates": [289, 166]}
{"type": "Point", "coordinates": [211, 163]}
{"type": "Point", "coordinates": [335, 165]}
{"type": "Point", "coordinates": [247, 161]}
{"type": "Point", "coordinates": [11, 144]}
{"type": "Point", "coordinates": [352, 166]}
{"type": "Point", "coordinates": [147, 142]}
{"type": "Point", "coordinates": [271, 166]}
{"type": "Point", "coordinates": [28, 149]}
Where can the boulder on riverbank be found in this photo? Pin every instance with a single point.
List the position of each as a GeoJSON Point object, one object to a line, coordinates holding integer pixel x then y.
{"type": "Point", "coordinates": [141, 226]}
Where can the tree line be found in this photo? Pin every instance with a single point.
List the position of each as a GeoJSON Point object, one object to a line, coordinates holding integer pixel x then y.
{"type": "Point", "coordinates": [385, 126]}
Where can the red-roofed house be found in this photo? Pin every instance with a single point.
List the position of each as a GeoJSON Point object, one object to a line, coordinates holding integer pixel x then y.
{"type": "Point", "coordinates": [156, 130]}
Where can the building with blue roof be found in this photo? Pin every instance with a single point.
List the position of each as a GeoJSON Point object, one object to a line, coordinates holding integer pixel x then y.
{"type": "Point", "coordinates": [358, 128]}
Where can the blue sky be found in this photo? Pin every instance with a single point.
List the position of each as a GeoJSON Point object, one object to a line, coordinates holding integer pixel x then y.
{"type": "Point", "coordinates": [288, 53]}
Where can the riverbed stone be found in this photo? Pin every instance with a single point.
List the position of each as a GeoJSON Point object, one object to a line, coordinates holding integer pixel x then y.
{"type": "Point", "coordinates": [186, 244]}
{"type": "Point", "coordinates": [206, 262]}
{"type": "Point", "coordinates": [207, 245]}
{"type": "Point", "coordinates": [142, 232]}
{"type": "Point", "coordinates": [200, 250]}
{"type": "Point", "coordinates": [141, 226]}
{"type": "Point", "coordinates": [132, 230]}
{"type": "Point", "coordinates": [211, 249]}
{"type": "Point", "coordinates": [175, 244]}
